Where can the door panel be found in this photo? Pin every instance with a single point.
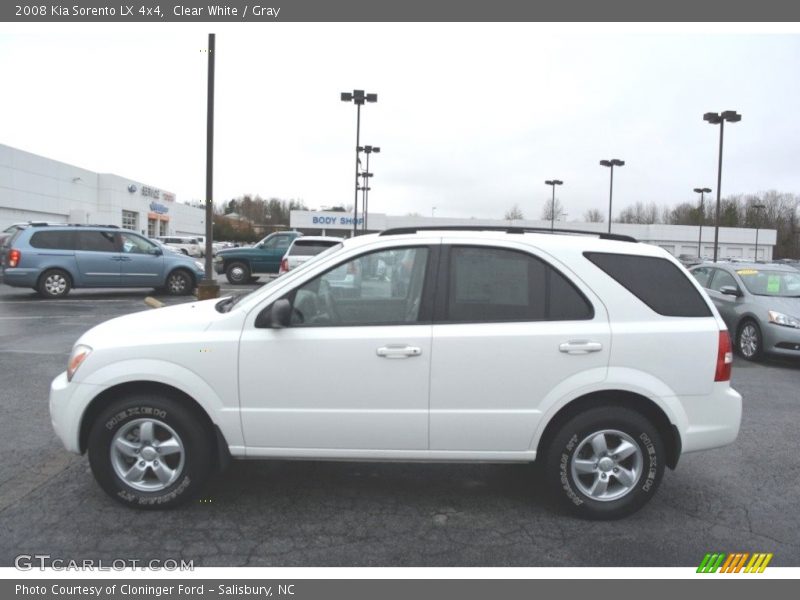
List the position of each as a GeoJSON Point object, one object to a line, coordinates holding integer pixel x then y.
{"type": "Point", "coordinates": [98, 258]}
{"type": "Point", "coordinates": [327, 387]}
{"type": "Point", "coordinates": [139, 265]}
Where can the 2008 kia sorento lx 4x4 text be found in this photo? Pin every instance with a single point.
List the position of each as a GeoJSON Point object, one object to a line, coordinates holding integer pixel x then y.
{"type": "Point", "coordinates": [600, 357]}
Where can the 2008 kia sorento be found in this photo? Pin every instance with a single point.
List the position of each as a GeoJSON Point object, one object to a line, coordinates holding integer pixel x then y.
{"type": "Point", "coordinates": [600, 357]}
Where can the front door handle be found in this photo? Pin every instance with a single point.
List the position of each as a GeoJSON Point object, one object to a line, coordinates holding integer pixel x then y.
{"type": "Point", "coordinates": [580, 347]}
{"type": "Point", "coordinates": [398, 351]}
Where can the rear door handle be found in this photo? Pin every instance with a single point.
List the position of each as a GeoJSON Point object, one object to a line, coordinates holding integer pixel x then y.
{"type": "Point", "coordinates": [580, 347]}
{"type": "Point", "coordinates": [398, 351]}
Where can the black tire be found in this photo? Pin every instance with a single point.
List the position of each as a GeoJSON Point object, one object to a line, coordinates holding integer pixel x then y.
{"type": "Point", "coordinates": [179, 283]}
{"type": "Point", "coordinates": [192, 471]}
{"type": "Point", "coordinates": [749, 341]}
{"type": "Point", "coordinates": [54, 283]}
{"type": "Point", "coordinates": [237, 273]}
{"type": "Point", "coordinates": [569, 444]}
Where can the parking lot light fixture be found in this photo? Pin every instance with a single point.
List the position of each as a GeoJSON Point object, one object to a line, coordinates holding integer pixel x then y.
{"type": "Point", "coordinates": [553, 183]}
{"type": "Point", "coordinates": [731, 116]}
{"type": "Point", "coordinates": [614, 162]}
{"type": "Point", "coordinates": [702, 192]}
{"type": "Point", "coordinates": [365, 206]}
{"type": "Point", "coordinates": [357, 97]}
{"type": "Point", "coordinates": [758, 208]}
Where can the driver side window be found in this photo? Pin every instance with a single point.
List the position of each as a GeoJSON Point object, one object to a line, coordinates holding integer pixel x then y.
{"type": "Point", "coordinates": [380, 288]}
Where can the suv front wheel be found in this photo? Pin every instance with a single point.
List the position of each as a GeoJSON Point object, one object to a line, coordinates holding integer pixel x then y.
{"type": "Point", "coordinates": [605, 463]}
{"type": "Point", "coordinates": [149, 451]}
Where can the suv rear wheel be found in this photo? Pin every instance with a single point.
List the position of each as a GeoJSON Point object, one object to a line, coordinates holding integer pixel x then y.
{"type": "Point", "coordinates": [605, 463]}
{"type": "Point", "coordinates": [237, 273]}
{"type": "Point", "coordinates": [150, 451]}
{"type": "Point", "coordinates": [54, 283]}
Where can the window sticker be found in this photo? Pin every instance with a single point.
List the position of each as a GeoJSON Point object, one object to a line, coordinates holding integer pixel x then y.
{"type": "Point", "coordinates": [774, 284]}
{"type": "Point", "coordinates": [748, 272]}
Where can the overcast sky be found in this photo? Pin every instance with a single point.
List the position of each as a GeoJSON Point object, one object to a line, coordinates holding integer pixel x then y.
{"type": "Point", "coordinates": [470, 118]}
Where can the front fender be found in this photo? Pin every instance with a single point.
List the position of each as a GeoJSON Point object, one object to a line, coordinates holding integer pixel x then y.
{"type": "Point", "coordinates": [223, 412]}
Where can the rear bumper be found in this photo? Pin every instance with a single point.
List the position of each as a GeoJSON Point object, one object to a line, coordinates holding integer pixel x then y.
{"type": "Point", "coordinates": [20, 277]}
{"type": "Point", "coordinates": [712, 421]}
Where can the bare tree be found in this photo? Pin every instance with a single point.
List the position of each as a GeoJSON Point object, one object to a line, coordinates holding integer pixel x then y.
{"type": "Point", "coordinates": [551, 207]}
{"type": "Point", "coordinates": [593, 215]}
{"type": "Point", "coordinates": [514, 213]}
{"type": "Point", "coordinates": [640, 213]}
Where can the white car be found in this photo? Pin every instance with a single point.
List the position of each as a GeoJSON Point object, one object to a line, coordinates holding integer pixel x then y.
{"type": "Point", "coordinates": [601, 358]}
{"type": "Point", "coordinates": [303, 249]}
{"type": "Point", "coordinates": [190, 246]}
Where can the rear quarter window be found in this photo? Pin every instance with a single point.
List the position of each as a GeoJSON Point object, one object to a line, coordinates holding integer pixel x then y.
{"type": "Point", "coordinates": [657, 282]}
{"type": "Point", "coordinates": [309, 248]}
{"type": "Point", "coordinates": [53, 240]}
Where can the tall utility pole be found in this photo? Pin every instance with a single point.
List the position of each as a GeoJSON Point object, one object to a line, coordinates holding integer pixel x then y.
{"type": "Point", "coordinates": [719, 119]}
{"type": "Point", "coordinates": [358, 97]}
{"type": "Point", "coordinates": [208, 287]}
{"type": "Point", "coordinates": [614, 162]}
{"type": "Point", "coordinates": [702, 192]}
{"type": "Point", "coordinates": [553, 183]}
{"type": "Point", "coordinates": [758, 208]}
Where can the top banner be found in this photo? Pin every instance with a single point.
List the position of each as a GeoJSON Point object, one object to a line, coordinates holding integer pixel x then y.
{"type": "Point", "coordinates": [132, 11]}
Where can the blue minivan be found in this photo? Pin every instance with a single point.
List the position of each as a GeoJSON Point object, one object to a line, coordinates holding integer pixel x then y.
{"type": "Point", "coordinates": [53, 259]}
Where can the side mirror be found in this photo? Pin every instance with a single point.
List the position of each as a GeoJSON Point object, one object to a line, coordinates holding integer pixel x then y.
{"type": "Point", "coordinates": [276, 316]}
{"type": "Point", "coordinates": [157, 252]}
{"type": "Point", "coordinates": [730, 290]}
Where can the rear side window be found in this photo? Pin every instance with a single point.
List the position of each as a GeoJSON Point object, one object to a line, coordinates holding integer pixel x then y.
{"type": "Point", "coordinates": [655, 281]}
{"type": "Point", "coordinates": [496, 285]}
{"type": "Point", "coordinates": [53, 240]}
{"type": "Point", "coordinates": [309, 248]}
{"type": "Point", "coordinates": [97, 241]}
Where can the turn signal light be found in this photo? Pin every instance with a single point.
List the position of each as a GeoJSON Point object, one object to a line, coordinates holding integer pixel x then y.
{"type": "Point", "coordinates": [284, 266]}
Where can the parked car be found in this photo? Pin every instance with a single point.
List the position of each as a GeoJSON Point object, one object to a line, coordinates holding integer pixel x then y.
{"type": "Point", "coordinates": [54, 259]}
{"type": "Point", "coordinates": [305, 248]}
{"type": "Point", "coordinates": [165, 248]}
{"type": "Point", "coordinates": [599, 357]}
{"type": "Point", "coordinates": [190, 246]}
{"type": "Point", "coordinates": [760, 304]}
{"type": "Point", "coordinates": [240, 264]}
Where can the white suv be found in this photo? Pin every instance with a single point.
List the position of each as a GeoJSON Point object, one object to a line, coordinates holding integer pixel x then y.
{"type": "Point", "coordinates": [601, 358]}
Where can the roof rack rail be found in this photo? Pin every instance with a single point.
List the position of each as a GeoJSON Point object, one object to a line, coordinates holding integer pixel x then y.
{"type": "Point", "coordinates": [508, 229]}
{"type": "Point", "coordinates": [42, 224]}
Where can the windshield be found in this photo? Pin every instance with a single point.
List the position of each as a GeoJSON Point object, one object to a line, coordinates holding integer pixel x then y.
{"type": "Point", "coordinates": [771, 283]}
{"type": "Point", "coordinates": [226, 304]}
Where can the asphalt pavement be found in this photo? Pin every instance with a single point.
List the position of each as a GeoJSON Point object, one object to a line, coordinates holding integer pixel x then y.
{"type": "Point", "coordinates": [293, 513]}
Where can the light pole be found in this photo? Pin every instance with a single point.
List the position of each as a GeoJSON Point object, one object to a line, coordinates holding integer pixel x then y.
{"type": "Point", "coordinates": [702, 192]}
{"type": "Point", "coordinates": [433, 211]}
{"type": "Point", "coordinates": [614, 162]}
{"type": "Point", "coordinates": [719, 119]}
{"type": "Point", "coordinates": [367, 150]}
{"type": "Point", "coordinates": [757, 208]}
{"type": "Point", "coordinates": [208, 288]}
{"type": "Point", "coordinates": [365, 175]}
{"type": "Point", "coordinates": [553, 183]}
{"type": "Point", "coordinates": [357, 97]}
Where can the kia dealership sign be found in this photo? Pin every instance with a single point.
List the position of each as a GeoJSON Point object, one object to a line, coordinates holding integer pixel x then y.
{"type": "Point", "coordinates": [309, 219]}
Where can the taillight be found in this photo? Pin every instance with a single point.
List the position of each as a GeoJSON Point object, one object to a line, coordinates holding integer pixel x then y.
{"type": "Point", "coordinates": [284, 266]}
{"type": "Point", "coordinates": [13, 257]}
{"type": "Point", "coordinates": [724, 357]}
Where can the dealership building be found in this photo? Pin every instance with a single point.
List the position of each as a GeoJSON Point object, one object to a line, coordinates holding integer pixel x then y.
{"type": "Point", "coordinates": [35, 188]}
{"type": "Point", "coordinates": [734, 242]}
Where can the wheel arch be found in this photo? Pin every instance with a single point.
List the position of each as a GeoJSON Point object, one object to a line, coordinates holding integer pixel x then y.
{"type": "Point", "coordinates": [100, 402]}
{"type": "Point", "coordinates": [618, 398]}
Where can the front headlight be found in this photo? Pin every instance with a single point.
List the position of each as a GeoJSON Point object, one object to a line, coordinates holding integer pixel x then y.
{"type": "Point", "coordinates": [782, 319]}
{"type": "Point", "coordinates": [79, 354]}
{"type": "Point", "coordinates": [199, 265]}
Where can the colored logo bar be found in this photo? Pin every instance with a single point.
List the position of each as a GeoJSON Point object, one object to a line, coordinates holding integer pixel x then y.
{"type": "Point", "coordinates": [735, 563]}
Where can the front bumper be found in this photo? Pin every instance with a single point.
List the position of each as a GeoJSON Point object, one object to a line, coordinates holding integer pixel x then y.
{"type": "Point", "coordinates": [713, 421]}
{"type": "Point", "coordinates": [68, 401]}
{"type": "Point", "coordinates": [781, 340]}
